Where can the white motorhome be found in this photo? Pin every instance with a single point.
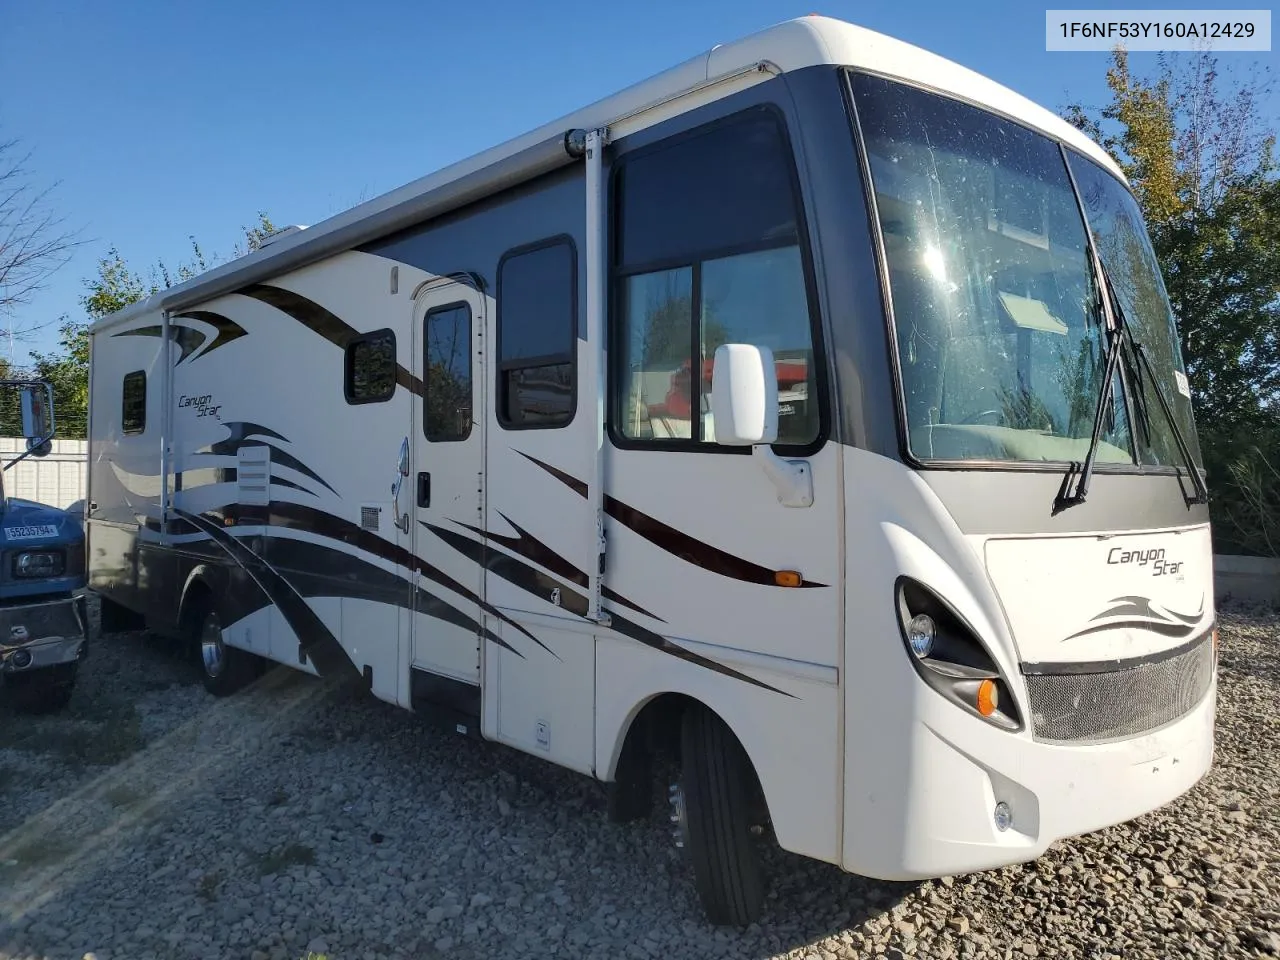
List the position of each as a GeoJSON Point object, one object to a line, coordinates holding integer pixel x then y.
{"type": "Point", "coordinates": [813, 408]}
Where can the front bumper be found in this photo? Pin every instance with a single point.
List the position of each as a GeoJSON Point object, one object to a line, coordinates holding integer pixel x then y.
{"type": "Point", "coordinates": [957, 769]}
{"type": "Point", "coordinates": [43, 634]}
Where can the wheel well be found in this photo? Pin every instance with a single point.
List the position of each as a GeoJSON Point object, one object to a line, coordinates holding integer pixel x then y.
{"type": "Point", "coordinates": [196, 598]}
{"type": "Point", "coordinates": [654, 733]}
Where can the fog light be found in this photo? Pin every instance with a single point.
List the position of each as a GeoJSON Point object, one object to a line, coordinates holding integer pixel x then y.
{"type": "Point", "coordinates": [1003, 816]}
{"type": "Point", "coordinates": [920, 634]}
{"type": "Point", "coordinates": [21, 659]}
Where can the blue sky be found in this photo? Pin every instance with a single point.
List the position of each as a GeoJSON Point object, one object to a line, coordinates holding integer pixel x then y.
{"type": "Point", "coordinates": [165, 119]}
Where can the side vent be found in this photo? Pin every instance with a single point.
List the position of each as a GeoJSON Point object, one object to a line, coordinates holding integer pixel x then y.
{"type": "Point", "coordinates": [253, 475]}
{"type": "Point", "coordinates": [370, 517]}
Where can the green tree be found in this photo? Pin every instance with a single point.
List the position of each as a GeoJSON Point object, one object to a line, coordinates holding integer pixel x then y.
{"type": "Point", "coordinates": [1199, 151]}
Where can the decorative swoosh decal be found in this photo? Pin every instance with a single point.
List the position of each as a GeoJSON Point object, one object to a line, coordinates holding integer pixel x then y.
{"type": "Point", "coordinates": [189, 339]}
{"type": "Point", "coordinates": [1155, 626]}
{"type": "Point", "coordinates": [533, 549]}
{"type": "Point", "coordinates": [674, 541]}
{"type": "Point", "coordinates": [302, 517]}
{"type": "Point", "coordinates": [318, 570]}
{"type": "Point", "coordinates": [322, 321]}
{"type": "Point", "coordinates": [536, 582]}
{"type": "Point", "coordinates": [227, 329]}
{"type": "Point", "coordinates": [242, 431]}
{"type": "Point", "coordinates": [315, 639]}
{"type": "Point", "coordinates": [1143, 614]}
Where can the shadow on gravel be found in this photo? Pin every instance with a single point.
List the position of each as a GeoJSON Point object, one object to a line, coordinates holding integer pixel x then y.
{"type": "Point", "coordinates": [121, 817]}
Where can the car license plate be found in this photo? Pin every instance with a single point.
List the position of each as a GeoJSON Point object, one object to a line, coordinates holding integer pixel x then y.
{"type": "Point", "coordinates": [32, 532]}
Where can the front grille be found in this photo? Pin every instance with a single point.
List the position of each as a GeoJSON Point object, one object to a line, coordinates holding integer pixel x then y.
{"type": "Point", "coordinates": [1120, 701]}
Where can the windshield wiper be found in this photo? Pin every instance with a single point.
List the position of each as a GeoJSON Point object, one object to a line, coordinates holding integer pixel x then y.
{"type": "Point", "coordinates": [1117, 333]}
{"type": "Point", "coordinates": [1201, 490]}
{"type": "Point", "coordinates": [1081, 474]}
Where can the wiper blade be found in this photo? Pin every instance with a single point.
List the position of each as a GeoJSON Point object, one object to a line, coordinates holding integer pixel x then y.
{"type": "Point", "coordinates": [1117, 333]}
{"type": "Point", "coordinates": [1075, 485]}
{"type": "Point", "coordinates": [1081, 474]}
{"type": "Point", "coordinates": [1201, 494]}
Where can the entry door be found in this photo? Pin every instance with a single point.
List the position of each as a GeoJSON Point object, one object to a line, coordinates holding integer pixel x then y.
{"type": "Point", "coordinates": [446, 480]}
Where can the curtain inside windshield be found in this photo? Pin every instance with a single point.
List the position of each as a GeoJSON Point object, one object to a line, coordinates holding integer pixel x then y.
{"type": "Point", "coordinates": [999, 341]}
{"type": "Point", "coordinates": [1121, 238]}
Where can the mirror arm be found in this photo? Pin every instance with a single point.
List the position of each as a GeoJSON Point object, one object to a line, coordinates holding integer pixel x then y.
{"type": "Point", "coordinates": [791, 478]}
{"type": "Point", "coordinates": [27, 453]}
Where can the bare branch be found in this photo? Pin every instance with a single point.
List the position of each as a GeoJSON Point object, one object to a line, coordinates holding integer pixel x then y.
{"type": "Point", "coordinates": [34, 242]}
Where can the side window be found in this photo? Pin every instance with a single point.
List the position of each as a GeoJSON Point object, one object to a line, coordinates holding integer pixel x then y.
{"type": "Point", "coordinates": [707, 251]}
{"type": "Point", "coordinates": [370, 375]}
{"type": "Point", "coordinates": [133, 418]}
{"type": "Point", "coordinates": [537, 333]}
{"type": "Point", "coordinates": [447, 400]}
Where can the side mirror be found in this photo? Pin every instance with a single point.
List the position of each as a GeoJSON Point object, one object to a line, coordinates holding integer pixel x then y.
{"type": "Point", "coordinates": [744, 395]}
{"type": "Point", "coordinates": [37, 418]}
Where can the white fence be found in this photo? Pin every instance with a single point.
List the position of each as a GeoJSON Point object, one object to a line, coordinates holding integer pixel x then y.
{"type": "Point", "coordinates": [58, 479]}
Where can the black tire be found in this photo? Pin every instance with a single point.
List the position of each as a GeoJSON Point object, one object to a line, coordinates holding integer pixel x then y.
{"type": "Point", "coordinates": [225, 670]}
{"type": "Point", "coordinates": [718, 787]}
{"type": "Point", "coordinates": [46, 690]}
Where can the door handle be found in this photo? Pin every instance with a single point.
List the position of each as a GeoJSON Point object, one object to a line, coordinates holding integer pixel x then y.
{"type": "Point", "coordinates": [424, 489]}
{"type": "Point", "coordinates": [401, 520]}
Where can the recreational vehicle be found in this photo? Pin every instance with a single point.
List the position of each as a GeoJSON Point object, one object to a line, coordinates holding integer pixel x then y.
{"type": "Point", "coordinates": [813, 410]}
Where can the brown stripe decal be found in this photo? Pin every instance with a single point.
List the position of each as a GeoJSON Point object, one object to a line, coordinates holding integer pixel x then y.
{"type": "Point", "coordinates": [673, 541]}
{"type": "Point", "coordinates": [537, 583]}
{"type": "Point", "coordinates": [533, 549]}
{"type": "Point", "coordinates": [321, 646]}
{"type": "Point", "coordinates": [316, 318]}
{"type": "Point", "coordinates": [301, 517]}
{"type": "Point", "coordinates": [227, 328]}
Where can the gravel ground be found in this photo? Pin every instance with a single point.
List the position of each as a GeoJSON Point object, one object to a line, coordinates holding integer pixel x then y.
{"type": "Point", "coordinates": [153, 821]}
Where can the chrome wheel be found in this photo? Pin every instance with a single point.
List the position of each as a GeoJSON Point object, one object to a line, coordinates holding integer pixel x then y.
{"type": "Point", "coordinates": [212, 652]}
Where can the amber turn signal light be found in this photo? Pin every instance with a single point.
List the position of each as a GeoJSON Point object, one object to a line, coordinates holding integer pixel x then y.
{"type": "Point", "coordinates": [788, 578]}
{"type": "Point", "coordinates": [988, 697]}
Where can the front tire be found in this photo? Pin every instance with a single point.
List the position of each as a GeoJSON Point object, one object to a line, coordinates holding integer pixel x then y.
{"type": "Point", "coordinates": [718, 794]}
{"type": "Point", "coordinates": [225, 669]}
{"type": "Point", "coordinates": [45, 690]}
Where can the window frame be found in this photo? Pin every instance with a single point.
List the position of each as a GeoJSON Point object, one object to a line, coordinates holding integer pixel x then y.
{"type": "Point", "coordinates": [124, 387]}
{"type": "Point", "coordinates": [348, 371]}
{"type": "Point", "coordinates": [501, 367]}
{"type": "Point", "coordinates": [617, 275]}
{"type": "Point", "coordinates": [471, 367]}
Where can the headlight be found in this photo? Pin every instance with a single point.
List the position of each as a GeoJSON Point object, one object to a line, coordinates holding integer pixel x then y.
{"type": "Point", "coordinates": [947, 654]}
{"type": "Point", "coordinates": [31, 564]}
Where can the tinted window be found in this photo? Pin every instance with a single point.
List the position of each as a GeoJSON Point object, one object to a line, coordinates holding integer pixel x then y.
{"type": "Point", "coordinates": [447, 402]}
{"type": "Point", "coordinates": [716, 190]}
{"type": "Point", "coordinates": [718, 211]}
{"type": "Point", "coordinates": [134, 416]}
{"type": "Point", "coordinates": [537, 330]}
{"type": "Point", "coordinates": [371, 368]}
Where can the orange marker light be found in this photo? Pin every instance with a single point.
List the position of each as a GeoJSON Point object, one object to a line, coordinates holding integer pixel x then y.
{"type": "Point", "coordinates": [988, 697]}
{"type": "Point", "coordinates": [788, 578]}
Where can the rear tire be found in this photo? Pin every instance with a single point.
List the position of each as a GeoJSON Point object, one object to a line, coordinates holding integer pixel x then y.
{"type": "Point", "coordinates": [225, 669]}
{"type": "Point", "coordinates": [45, 690]}
{"type": "Point", "coordinates": [719, 787]}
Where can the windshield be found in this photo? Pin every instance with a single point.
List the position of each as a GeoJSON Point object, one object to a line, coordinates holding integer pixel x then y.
{"type": "Point", "coordinates": [999, 334]}
{"type": "Point", "coordinates": [1134, 275]}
